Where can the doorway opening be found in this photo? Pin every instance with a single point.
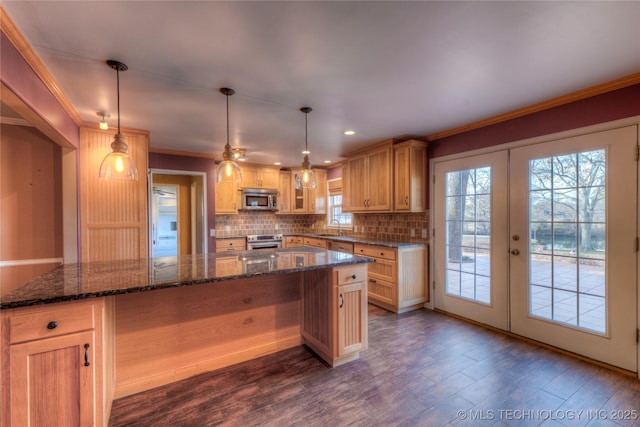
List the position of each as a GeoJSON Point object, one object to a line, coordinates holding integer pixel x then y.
{"type": "Point", "coordinates": [178, 210]}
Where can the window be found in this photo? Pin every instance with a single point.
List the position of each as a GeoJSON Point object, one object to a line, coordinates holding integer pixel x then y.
{"type": "Point", "coordinates": [336, 218]}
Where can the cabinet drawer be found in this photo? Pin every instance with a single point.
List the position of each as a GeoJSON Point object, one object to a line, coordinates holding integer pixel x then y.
{"type": "Point", "coordinates": [376, 252]}
{"type": "Point", "coordinates": [50, 322]}
{"type": "Point", "coordinates": [316, 243]}
{"type": "Point", "coordinates": [230, 245]}
{"type": "Point", "coordinates": [290, 241]}
{"type": "Point", "coordinates": [381, 290]}
{"type": "Point", "coordinates": [384, 269]}
{"type": "Point", "coordinates": [352, 274]}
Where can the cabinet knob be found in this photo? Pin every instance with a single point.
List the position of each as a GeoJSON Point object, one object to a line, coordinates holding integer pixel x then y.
{"type": "Point", "coordinates": [354, 276]}
{"type": "Point", "coordinates": [52, 325]}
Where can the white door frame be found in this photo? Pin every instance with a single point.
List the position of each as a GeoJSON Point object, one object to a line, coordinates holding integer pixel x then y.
{"type": "Point", "coordinates": [205, 227]}
{"type": "Point", "coordinates": [634, 120]}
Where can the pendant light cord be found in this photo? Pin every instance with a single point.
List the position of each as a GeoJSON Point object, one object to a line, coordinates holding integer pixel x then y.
{"type": "Point", "coordinates": [118, 91]}
{"type": "Point", "coordinates": [306, 133]}
{"type": "Point", "coordinates": [227, 119]}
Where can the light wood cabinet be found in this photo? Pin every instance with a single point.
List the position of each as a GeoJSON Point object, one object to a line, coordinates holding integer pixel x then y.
{"type": "Point", "coordinates": [369, 180]}
{"type": "Point", "coordinates": [227, 197]}
{"type": "Point", "coordinates": [259, 177]}
{"type": "Point", "coordinates": [53, 369]}
{"type": "Point", "coordinates": [410, 176]}
{"type": "Point", "coordinates": [310, 201]}
{"type": "Point", "coordinates": [316, 243]}
{"type": "Point", "coordinates": [398, 280]}
{"type": "Point", "coordinates": [334, 312]}
{"type": "Point", "coordinates": [113, 214]}
{"type": "Point", "coordinates": [232, 244]}
{"type": "Point", "coordinates": [292, 241]}
{"type": "Point", "coordinates": [284, 193]}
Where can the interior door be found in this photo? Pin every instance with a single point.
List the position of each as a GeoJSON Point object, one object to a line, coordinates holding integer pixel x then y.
{"type": "Point", "coordinates": [573, 234]}
{"type": "Point", "coordinates": [471, 252]}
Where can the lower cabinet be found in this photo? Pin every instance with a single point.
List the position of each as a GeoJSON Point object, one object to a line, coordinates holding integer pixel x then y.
{"type": "Point", "coordinates": [398, 280]}
{"type": "Point", "coordinates": [334, 307]}
{"type": "Point", "coordinates": [54, 373]}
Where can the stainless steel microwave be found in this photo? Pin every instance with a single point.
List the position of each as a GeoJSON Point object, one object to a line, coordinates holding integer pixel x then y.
{"type": "Point", "coordinates": [259, 199]}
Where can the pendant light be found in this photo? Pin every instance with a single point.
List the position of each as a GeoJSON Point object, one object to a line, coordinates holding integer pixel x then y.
{"type": "Point", "coordinates": [228, 169]}
{"type": "Point", "coordinates": [118, 164]}
{"type": "Point", "coordinates": [306, 178]}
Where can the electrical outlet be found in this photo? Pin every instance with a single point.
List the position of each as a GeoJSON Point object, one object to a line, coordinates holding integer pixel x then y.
{"type": "Point", "coordinates": [227, 228]}
{"type": "Point", "coordinates": [413, 232]}
{"type": "Point", "coordinates": [276, 226]}
{"type": "Point", "coordinates": [212, 232]}
{"type": "Point", "coordinates": [424, 233]}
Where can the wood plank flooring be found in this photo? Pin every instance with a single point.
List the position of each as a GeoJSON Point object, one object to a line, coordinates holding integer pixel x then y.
{"type": "Point", "coordinates": [421, 369]}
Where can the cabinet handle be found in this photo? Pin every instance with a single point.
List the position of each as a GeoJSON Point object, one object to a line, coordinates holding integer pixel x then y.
{"type": "Point", "coordinates": [341, 300]}
{"type": "Point", "coordinates": [381, 253]}
{"type": "Point", "coordinates": [354, 276]}
{"type": "Point", "coordinates": [86, 355]}
{"type": "Point", "coordinates": [373, 280]}
{"type": "Point", "coordinates": [52, 325]}
{"type": "Point", "coordinates": [406, 200]}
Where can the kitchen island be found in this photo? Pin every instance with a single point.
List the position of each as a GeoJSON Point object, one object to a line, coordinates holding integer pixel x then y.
{"type": "Point", "coordinates": [112, 329]}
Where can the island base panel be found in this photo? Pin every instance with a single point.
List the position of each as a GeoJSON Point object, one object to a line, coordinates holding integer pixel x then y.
{"type": "Point", "coordinates": [173, 334]}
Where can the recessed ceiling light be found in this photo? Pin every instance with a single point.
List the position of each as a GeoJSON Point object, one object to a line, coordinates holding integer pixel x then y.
{"type": "Point", "coordinates": [327, 161]}
{"type": "Point", "coordinates": [349, 132]}
{"type": "Point", "coordinates": [277, 163]}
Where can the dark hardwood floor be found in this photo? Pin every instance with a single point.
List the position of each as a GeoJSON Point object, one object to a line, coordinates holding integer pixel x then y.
{"type": "Point", "coordinates": [421, 369]}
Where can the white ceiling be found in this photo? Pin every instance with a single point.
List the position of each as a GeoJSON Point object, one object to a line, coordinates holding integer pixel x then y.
{"type": "Point", "coordinates": [384, 69]}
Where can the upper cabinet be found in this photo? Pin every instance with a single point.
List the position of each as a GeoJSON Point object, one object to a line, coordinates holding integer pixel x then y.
{"type": "Point", "coordinates": [370, 180]}
{"type": "Point", "coordinates": [386, 178]}
{"type": "Point", "coordinates": [259, 177]}
{"type": "Point", "coordinates": [308, 201]}
{"type": "Point", "coordinates": [227, 197]}
{"type": "Point", "coordinates": [409, 176]}
{"type": "Point", "coordinates": [284, 193]}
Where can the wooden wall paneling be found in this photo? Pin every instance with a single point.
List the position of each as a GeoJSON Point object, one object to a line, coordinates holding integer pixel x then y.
{"type": "Point", "coordinates": [113, 217]}
{"type": "Point", "coordinates": [172, 334]}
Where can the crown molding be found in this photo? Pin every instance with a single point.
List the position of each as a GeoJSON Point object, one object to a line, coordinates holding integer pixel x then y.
{"type": "Point", "coordinates": [600, 89]}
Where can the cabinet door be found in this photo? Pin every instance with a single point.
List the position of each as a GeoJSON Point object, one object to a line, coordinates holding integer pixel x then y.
{"type": "Point", "coordinates": [269, 178]}
{"type": "Point", "coordinates": [50, 382]}
{"type": "Point", "coordinates": [227, 197]}
{"type": "Point", "coordinates": [410, 176]}
{"type": "Point", "coordinates": [401, 163]}
{"type": "Point", "coordinates": [250, 177]}
{"type": "Point", "coordinates": [318, 196]}
{"type": "Point", "coordinates": [378, 179]}
{"type": "Point", "coordinates": [284, 193]}
{"type": "Point", "coordinates": [357, 180]}
{"type": "Point", "coordinates": [352, 318]}
{"type": "Point", "coordinates": [299, 197]}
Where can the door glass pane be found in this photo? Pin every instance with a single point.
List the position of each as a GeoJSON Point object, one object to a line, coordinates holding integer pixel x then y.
{"type": "Point", "coordinates": [468, 215]}
{"type": "Point", "coordinates": [567, 226]}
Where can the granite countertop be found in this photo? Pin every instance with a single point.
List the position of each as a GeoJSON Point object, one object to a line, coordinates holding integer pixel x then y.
{"type": "Point", "coordinates": [365, 241]}
{"type": "Point", "coordinates": [69, 282]}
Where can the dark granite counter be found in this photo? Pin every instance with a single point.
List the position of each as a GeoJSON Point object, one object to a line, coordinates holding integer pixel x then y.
{"type": "Point", "coordinates": [365, 241]}
{"type": "Point", "coordinates": [89, 280]}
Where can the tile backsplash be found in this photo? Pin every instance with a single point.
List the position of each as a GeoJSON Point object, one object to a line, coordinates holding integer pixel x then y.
{"type": "Point", "coordinates": [382, 226]}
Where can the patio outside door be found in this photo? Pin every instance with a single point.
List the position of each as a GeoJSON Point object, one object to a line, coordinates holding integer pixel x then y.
{"type": "Point", "coordinates": [573, 268]}
{"type": "Point", "coordinates": [540, 241]}
{"type": "Point", "coordinates": [471, 251]}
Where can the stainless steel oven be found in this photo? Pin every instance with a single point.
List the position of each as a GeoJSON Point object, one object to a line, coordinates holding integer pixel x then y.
{"type": "Point", "coordinates": [264, 241]}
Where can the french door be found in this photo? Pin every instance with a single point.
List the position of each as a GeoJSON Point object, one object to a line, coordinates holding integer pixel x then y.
{"type": "Point", "coordinates": [561, 221]}
{"type": "Point", "coordinates": [471, 241]}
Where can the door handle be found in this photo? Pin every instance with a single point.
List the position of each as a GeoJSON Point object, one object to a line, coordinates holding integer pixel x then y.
{"type": "Point", "coordinates": [515, 252]}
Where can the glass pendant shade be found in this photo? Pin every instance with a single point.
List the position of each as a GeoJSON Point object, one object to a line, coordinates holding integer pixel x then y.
{"type": "Point", "coordinates": [228, 169]}
{"type": "Point", "coordinates": [305, 177]}
{"type": "Point", "coordinates": [117, 164]}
